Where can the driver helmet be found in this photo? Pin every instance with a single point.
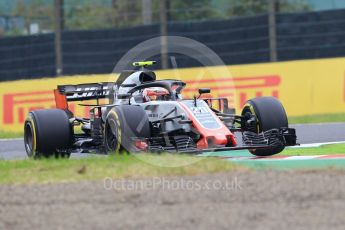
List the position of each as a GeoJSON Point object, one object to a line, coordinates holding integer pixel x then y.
{"type": "Point", "coordinates": [154, 93]}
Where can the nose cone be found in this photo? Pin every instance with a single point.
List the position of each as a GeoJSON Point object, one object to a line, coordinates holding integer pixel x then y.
{"type": "Point", "coordinates": [220, 139]}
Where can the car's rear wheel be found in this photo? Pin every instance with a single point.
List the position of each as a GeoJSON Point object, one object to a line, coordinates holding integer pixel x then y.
{"type": "Point", "coordinates": [123, 125]}
{"type": "Point", "coordinates": [47, 133]}
{"type": "Point", "coordinates": [270, 114]}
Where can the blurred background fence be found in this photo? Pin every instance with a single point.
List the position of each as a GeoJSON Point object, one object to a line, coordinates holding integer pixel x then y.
{"type": "Point", "coordinates": [53, 37]}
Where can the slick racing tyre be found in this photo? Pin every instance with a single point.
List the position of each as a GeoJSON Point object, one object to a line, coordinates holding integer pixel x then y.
{"type": "Point", "coordinates": [270, 114]}
{"type": "Point", "coordinates": [125, 124]}
{"type": "Point", "coordinates": [47, 133]}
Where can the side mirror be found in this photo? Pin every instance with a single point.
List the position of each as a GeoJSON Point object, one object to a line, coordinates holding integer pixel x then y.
{"type": "Point", "coordinates": [204, 90]}
{"type": "Point", "coordinates": [124, 96]}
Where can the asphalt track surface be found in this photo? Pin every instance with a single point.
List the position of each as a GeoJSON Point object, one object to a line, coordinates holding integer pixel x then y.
{"type": "Point", "coordinates": [308, 133]}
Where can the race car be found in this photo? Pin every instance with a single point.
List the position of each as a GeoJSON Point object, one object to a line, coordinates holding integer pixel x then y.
{"type": "Point", "coordinates": [144, 114]}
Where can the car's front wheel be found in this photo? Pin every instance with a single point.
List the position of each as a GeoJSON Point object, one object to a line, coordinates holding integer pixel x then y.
{"type": "Point", "coordinates": [123, 125]}
{"type": "Point", "coordinates": [270, 114]}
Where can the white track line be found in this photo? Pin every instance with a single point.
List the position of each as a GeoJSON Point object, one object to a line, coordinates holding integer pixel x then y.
{"type": "Point", "coordinates": [11, 139]}
{"type": "Point", "coordinates": [302, 157]}
{"type": "Point", "coordinates": [287, 158]}
{"type": "Point", "coordinates": [317, 124]}
{"type": "Point", "coordinates": [313, 145]}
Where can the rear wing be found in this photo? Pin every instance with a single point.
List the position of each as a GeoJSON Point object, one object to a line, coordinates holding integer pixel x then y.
{"type": "Point", "coordinates": [81, 92]}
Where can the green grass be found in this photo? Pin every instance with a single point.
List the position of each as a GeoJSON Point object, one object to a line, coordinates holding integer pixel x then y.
{"type": "Point", "coordinates": [323, 150]}
{"type": "Point", "coordinates": [128, 166]}
{"type": "Point", "coordinates": [320, 118]}
{"type": "Point", "coordinates": [114, 166]}
{"type": "Point", "coordinates": [5, 135]}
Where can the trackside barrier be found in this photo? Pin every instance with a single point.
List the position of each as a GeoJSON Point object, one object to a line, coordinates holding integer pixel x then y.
{"type": "Point", "coordinates": [304, 87]}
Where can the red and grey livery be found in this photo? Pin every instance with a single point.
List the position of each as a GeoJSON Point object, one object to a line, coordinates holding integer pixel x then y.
{"type": "Point", "coordinates": [149, 115]}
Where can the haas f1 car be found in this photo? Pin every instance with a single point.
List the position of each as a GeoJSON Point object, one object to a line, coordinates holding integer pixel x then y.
{"type": "Point", "coordinates": [148, 115]}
